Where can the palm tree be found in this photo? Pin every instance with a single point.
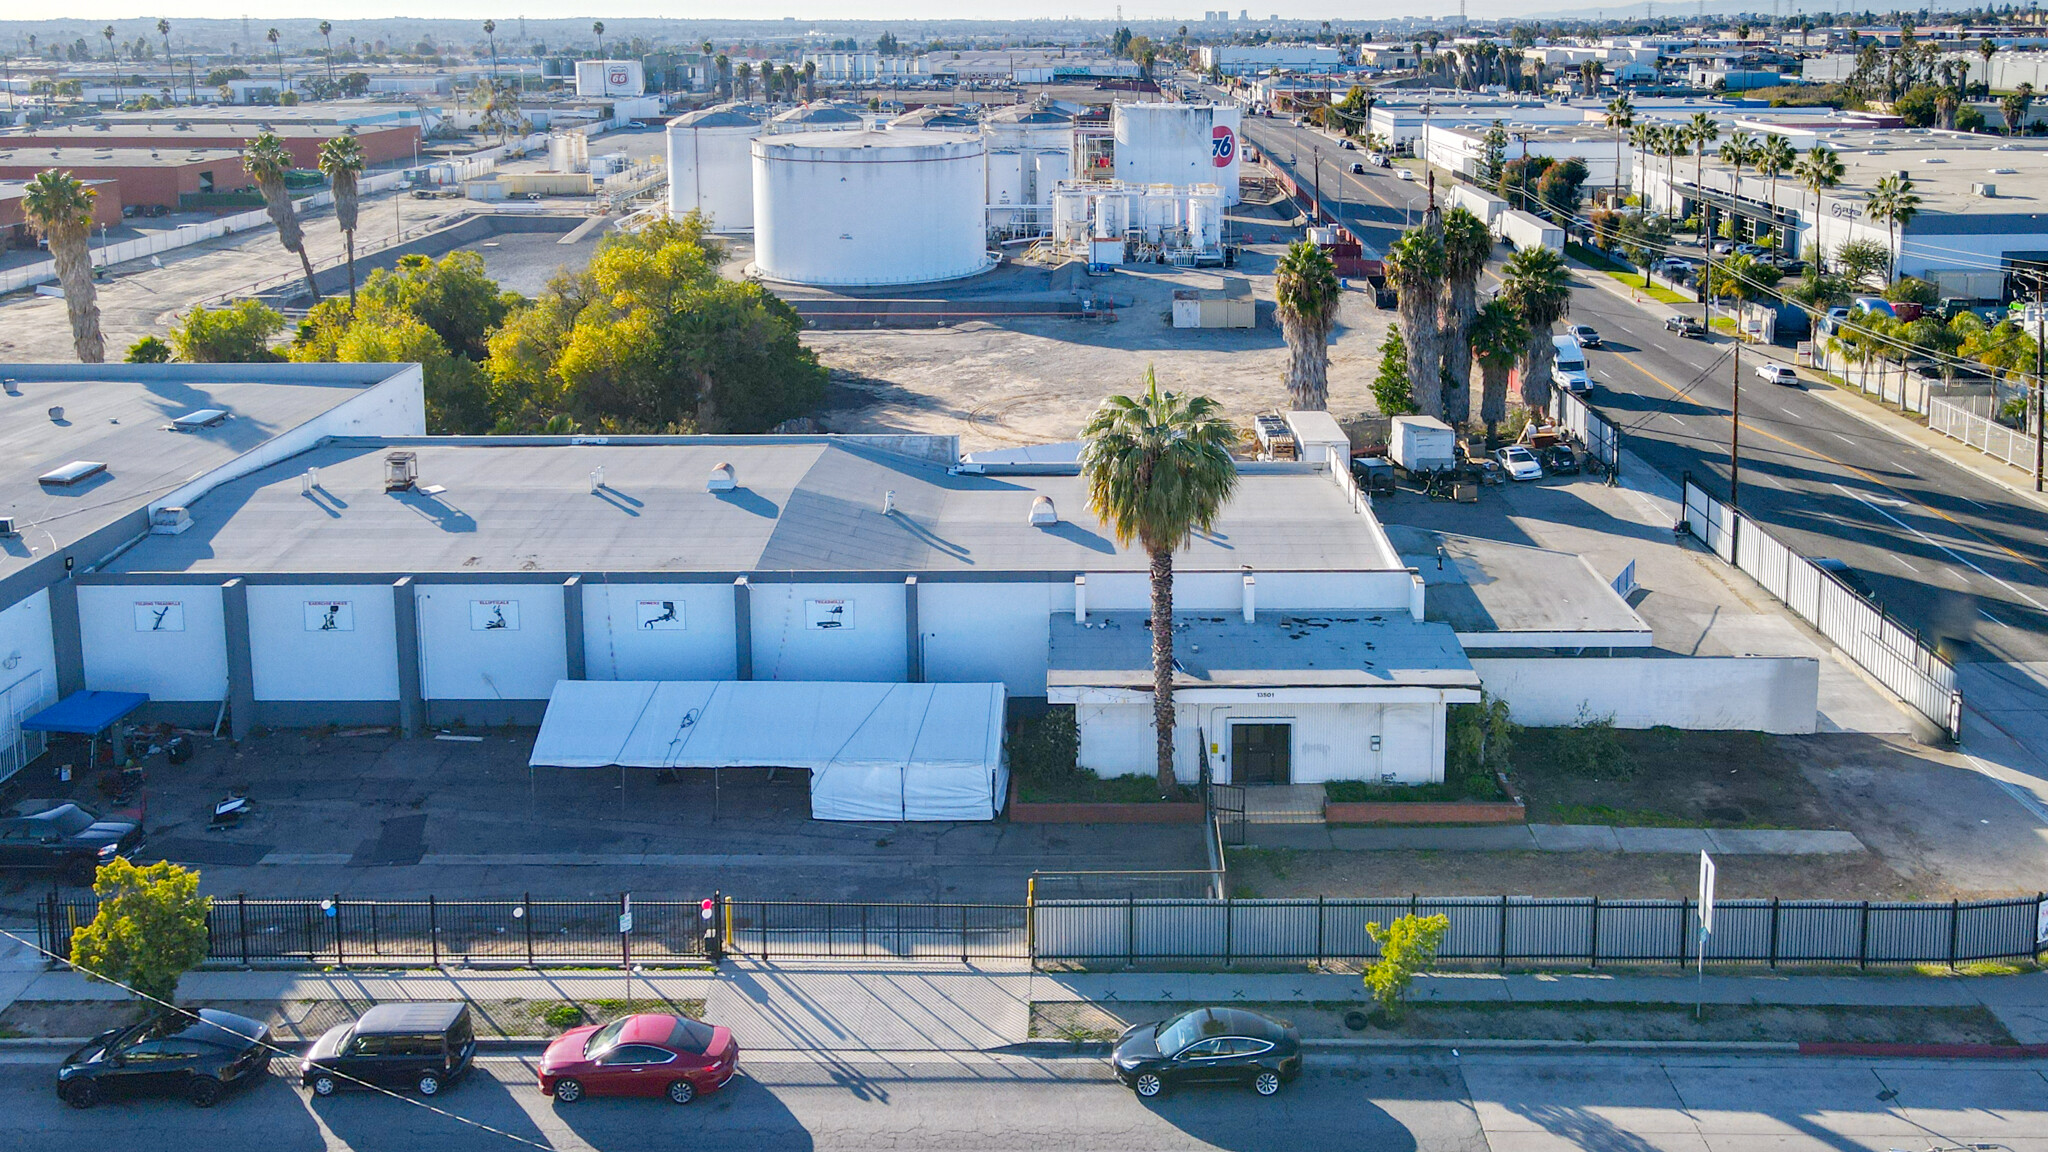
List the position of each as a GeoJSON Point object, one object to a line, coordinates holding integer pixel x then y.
{"type": "Point", "coordinates": [788, 82]}
{"type": "Point", "coordinates": [58, 206]}
{"type": "Point", "coordinates": [1820, 169]}
{"type": "Point", "coordinates": [1499, 337]}
{"type": "Point", "coordinates": [597, 26]}
{"type": "Point", "coordinates": [1773, 157]}
{"type": "Point", "coordinates": [724, 64]}
{"type": "Point", "coordinates": [1158, 469]}
{"type": "Point", "coordinates": [1416, 263]}
{"type": "Point", "coordinates": [810, 79]}
{"type": "Point", "coordinates": [1621, 116]}
{"type": "Point", "coordinates": [277, 54]}
{"type": "Point", "coordinates": [341, 158]}
{"type": "Point", "coordinates": [327, 34]}
{"type": "Point", "coordinates": [1467, 244]}
{"type": "Point", "coordinates": [1700, 132]}
{"type": "Point", "coordinates": [1987, 50]}
{"type": "Point", "coordinates": [1894, 202]}
{"type": "Point", "coordinates": [114, 56]}
{"type": "Point", "coordinates": [491, 34]}
{"type": "Point", "coordinates": [1589, 77]}
{"type": "Point", "coordinates": [268, 161]}
{"type": "Point", "coordinates": [1306, 297]}
{"type": "Point", "coordinates": [1736, 151]}
{"type": "Point", "coordinates": [1537, 286]}
{"type": "Point", "coordinates": [745, 74]}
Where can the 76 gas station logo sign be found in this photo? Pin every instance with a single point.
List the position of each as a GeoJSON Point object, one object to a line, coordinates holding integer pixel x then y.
{"type": "Point", "coordinates": [1222, 146]}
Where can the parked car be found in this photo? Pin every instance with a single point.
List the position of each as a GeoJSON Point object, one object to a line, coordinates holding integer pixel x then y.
{"type": "Point", "coordinates": [63, 837]}
{"type": "Point", "coordinates": [1358, 169]}
{"type": "Point", "coordinates": [1833, 319]}
{"type": "Point", "coordinates": [1723, 247]}
{"type": "Point", "coordinates": [642, 1055]}
{"type": "Point", "coordinates": [1684, 326]}
{"type": "Point", "coordinates": [1751, 250]}
{"type": "Point", "coordinates": [1559, 460]}
{"type": "Point", "coordinates": [1207, 1046]}
{"type": "Point", "coordinates": [1848, 576]}
{"type": "Point", "coordinates": [1777, 374]}
{"type": "Point", "coordinates": [1791, 267]}
{"type": "Point", "coordinates": [1519, 462]}
{"type": "Point", "coordinates": [424, 1047]}
{"type": "Point", "coordinates": [1349, 146]}
{"type": "Point", "coordinates": [198, 1056]}
{"type": "Point", "coordinates": [1584, 334]}
{"type": "Point", "coordinates": [1405, 173]}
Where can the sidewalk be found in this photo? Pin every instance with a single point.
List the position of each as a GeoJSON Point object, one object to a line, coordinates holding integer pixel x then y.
{"type": "Point", "coordinates": [1558, 838]}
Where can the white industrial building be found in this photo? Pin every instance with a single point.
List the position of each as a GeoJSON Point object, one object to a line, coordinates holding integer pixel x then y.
{"type": "Point", "coordinates": [711, 165]}
{"type": "Point", "coordinates": [609, 78]}
{"type": "Point", "coordinates": [870, 207]}
{"type": "Point", "coordinates": [1242, 59]}
{"type": "Point", "coordinates": [1177, 144]}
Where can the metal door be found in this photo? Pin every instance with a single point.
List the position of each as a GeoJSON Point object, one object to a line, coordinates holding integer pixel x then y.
{"type": "Point", "coordinates": [1259, 753]}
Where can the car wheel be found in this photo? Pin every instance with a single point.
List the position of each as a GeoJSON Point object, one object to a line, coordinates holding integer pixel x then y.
{"type": "Point", "coordinates": [682, 1092]}
{"type": "Point", "coordinates": [430, 1084]}
{"type": "Point", "coordinates": [1149, 1085]}
{"type": "Point", "coordinates": [83, 1094]}
{"type": "Point", "coordinates": [325, 1086]}
{"type": "Point", "coordinates": [203, 1091]}
{"type": "Point", "coordinates": [1266, 1083]}
{"type": "Point", "coordinates": [568, 1091]}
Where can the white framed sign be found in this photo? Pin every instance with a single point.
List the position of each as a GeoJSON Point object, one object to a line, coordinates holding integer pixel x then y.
{"type": "Point", "coordinates": [659, 615]}
{"type": "Point", "coordinates": [159, 615]}
{"type": "Point", "coordinates": [494, 615]}
{"type": "Point", "coordinates": [828, 614]}
{"type": "Point", "coordinates": [330, 616]}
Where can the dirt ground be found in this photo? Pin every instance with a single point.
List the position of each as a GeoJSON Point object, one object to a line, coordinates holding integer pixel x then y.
{"type": "Point", "coordinates": [1676, 779]}
{"type": "Point", "coordinates": [1577, 1022]}
{"type": "Point", "coordinates": [307, 1019]}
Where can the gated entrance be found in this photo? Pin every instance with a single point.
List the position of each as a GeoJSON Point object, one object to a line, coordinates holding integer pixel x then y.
{"type": "Point", "coordinates": [1260, 753]}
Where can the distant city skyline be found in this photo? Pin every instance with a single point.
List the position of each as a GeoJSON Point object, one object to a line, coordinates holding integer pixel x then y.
{"type": "Point", "coordinates": [807, 10]}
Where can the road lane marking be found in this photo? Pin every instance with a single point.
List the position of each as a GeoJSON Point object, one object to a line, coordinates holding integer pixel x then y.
{"type": "Point", "coordinates": [1945, 548]}
{"type": "Point", "coordinates": [1993, 619]}
{"type": "Point", "coordinates": [1906, 562]}
{"type": "Point", "coordinates": [1843, 439]}
{"type": "Point", "coordinates": [1678, 421]}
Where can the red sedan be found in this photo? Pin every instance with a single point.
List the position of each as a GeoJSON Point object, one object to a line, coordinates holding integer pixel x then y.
{"type": "Point", "coordinates": [644, 1055]}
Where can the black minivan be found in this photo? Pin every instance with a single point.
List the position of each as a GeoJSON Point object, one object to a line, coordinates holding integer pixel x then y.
{"type": "Point", "coordinates": [424, 1047]}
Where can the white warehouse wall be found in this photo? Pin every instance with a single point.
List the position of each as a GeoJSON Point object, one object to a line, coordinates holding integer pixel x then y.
{"type": "Point", "coordinates": [697, 645]}
{"type": "Point", "coordinates": [28, 659]}
{"type": "Point", "coordinates": [1331, 741]}
{"type": "Point", "coordinates": [185, 659]}
{"type": "Point", "coordinates": [871, 647]}
{"type": "Point", "coordinates": [292, 658]}
{"type": "Point", "coordinates": [459, 661]}
{"type": "Point", "coordinates": [1713, 693]}
{"type": "Point", "coordinates": [982, 632]}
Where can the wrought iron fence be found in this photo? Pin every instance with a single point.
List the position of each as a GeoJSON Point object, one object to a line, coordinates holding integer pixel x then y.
{"type": "Point", "coordinates": [768, 929]}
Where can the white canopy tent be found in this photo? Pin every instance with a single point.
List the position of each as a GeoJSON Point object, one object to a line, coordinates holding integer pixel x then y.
{"type": "Point", "coordinates": [875, 751]}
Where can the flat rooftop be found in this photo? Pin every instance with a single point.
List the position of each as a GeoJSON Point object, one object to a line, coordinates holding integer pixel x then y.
{"type": "Point", "coordinates": [1276, 649]}
{"type": "Point", "coordinates": [173, 137]}
{"type": "Point", "coordinates": [802, 504]}
{"type": "Point", "coordinates": [44, 156]}
{"type": "Point", "coordinates": [1499, 595]}
{"type": "Point", "coordinates": [1943, 166]}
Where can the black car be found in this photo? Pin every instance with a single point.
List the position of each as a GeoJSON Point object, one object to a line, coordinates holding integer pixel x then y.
{"type": "Point", "coordinates": [1850, 578]}
{"type": "Point", "coordinates": [1684, 326]}
{"type": "Point", "coordinates": [63, 836]}
{"type": "Point", "coordinates": [1207, 1046]}
{"type": "Point", "coordinates": [1559, 460]}
{"type": "Point", "coordinates": [422, 1047]}
{"type": "Point", "coordinates": [196, 1055]}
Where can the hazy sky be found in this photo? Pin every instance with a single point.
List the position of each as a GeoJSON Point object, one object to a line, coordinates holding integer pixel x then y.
{"type": "Point", "coordinates": [501, 10]}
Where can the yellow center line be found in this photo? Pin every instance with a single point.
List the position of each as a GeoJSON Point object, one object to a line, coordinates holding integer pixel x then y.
{"type": "Point", "coordinates": [1847, 467]}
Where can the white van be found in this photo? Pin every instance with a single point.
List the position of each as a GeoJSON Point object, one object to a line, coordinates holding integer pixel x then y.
{"type": "Point", "coordinates": [1569, 371]}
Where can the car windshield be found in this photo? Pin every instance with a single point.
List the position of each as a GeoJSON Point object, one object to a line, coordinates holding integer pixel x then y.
{"type": "Point", "coordinates": [69, 820]}
{"type": "Point", "coordinates": [1518, 454]}
{"type": "Point", "coordinates": [1176, 1035]}
{"type": "Point", "coordinates": [604, 1038]}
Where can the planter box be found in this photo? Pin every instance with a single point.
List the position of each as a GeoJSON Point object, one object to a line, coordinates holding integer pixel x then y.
{"type": "Point", "coordinates": [1425, 812]}
{"type": "Point", "coordinates": [1061, 812]}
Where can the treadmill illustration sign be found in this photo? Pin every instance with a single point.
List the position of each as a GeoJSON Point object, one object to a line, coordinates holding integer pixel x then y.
{"type": "Point", "coordinates": [330, 616]}
{"type": "Point", "coordinates": [828, 615]}
{"type": "Point", "coordinates": [494, 615]}
{"type": "Point", "coordinates": [159, 615]}
{"type": "Point", "coordinates": [660, 615]}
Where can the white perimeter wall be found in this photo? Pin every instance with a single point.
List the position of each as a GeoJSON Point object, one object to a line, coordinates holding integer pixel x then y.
{"type": "Point", "coordinates": [459, 662]}
{"type": "Point", "coordinates": [1738, 693]}
{"type": "Point", "coordinates": [28, 657]}
{"type": "Point", "coordinates": [1331, 741]}
{"type": "Point", "coordinates": [291, 662]}
{"type": "Point", "coordinates": [191, 664]}
{"type": "Point", "coordinates": [616, 647]}
{"type": "Point", "coordinates": [871, 648]}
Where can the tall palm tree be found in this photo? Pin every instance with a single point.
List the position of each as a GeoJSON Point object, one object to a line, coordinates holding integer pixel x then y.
{"type": "Point", "coordinates": [1537, 286]}
{"type": "Point", "coordinates": [341, 158]}
{"type": "Point", "coordinates": [1820, 170]}
{"type": "Point", "coordinates": [277, 54]}
{"type": "Point", "coordinates": [1621, 116]}
{"type": "Point", "coordinates": [810, 79]}
{"type": "Point", "coordinates": [1700, 132]}
{"type": "Point", "coordinates": [1416, 263]}
{"type": "Point", "coordinates": [491, 35]}
{"type": "Point", "coordinates": [745, 74]}
{"type": "Point", "coordinates": [1736, 151]}
{"type": "Point", "coordinates": [1467, 244]}
{"type": "Point", "coordinates": [327, 35]}
{"type": "Point", "coordinates": [1306, 297]}
{"type": "Point", "coordinates": [163, 29]}
{"type": "Point", "coordinates": [58, 206]}
{"type": "Point", "coordinates": [788, 82]}
{"type": "Point", "coordinates": [724, 65]}
{"type": "Point", "coordinates": [1158, 469]}
{"type": "Point", "coordinates": [1894, 202]}
{"type": "Point", "coordinates": [597, 26]}
{"type": "Point", "coordinates": [1987, 50]}
{"type": "Point", "coordinates": [268, 161]}
{"type": "Point", "coordinates": [1499, 337]}
{"type": "Point", "coordinates": [1773, 157]}
{"type": "Point", "coordinates": [114, 56]}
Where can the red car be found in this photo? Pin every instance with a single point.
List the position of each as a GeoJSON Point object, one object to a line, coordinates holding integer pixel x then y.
{"type": "Point", "coordinates": [643, 1055]}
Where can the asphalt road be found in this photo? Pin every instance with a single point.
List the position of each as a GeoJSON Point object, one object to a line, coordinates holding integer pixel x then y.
{"type": "Point", "coordinates": [1536, 1103]}
{"type": "Point", "coordinates": [1963, 560]}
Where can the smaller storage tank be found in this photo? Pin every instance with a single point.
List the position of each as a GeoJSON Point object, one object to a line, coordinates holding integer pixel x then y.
{"type": "Point", "coordinates": [869, 207]}
{"type": "Point", "coordinates": [711, 166]}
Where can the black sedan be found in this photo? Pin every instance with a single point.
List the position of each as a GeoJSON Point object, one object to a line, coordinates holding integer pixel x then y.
{"type": "Point", "coordinates": [196, 1055]}
{"type": "Point", "coordinates": [1207, 1046]}
{"type": "Point", "coordinates": [64, 837]}
{"type": "Point", "coordinates": [1559, 460]}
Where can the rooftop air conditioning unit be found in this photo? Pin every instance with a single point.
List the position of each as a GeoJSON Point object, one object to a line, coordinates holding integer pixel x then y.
{"type": "Point", "coordinates": [169, 521]}
{"type": "Point", "coordinates": [1987, 191]}
{"type": "Point", "coordinates": [401, 471]}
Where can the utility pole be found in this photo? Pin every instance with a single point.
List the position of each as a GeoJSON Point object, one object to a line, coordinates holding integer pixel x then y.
{"type": "Point", "coordinates": [1735, 426]}
{"type": "Point", "coordinates": [2040, 409]}
{"type": "Point", "coordinates": [1315, 156]}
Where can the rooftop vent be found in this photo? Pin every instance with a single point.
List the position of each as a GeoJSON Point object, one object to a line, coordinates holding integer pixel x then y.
{"type": "Point", "coordinates": [72, 473]}
{"type": "Point", "coordinates": [7, 529]}
{"type": "Point", "coordinates": [1043, 515]}
{"type": "Point", "coordinates": [1987, 191]}
{"type": "Point", "coordinates": [401, 471]}
{"type": "Point", "coordinates": [169, 521]}
{"type": "Point", "coordinates": [722, 479]}
{"type": "Point", "coordinates": [204, 418]}
{"type": "Point", "coordinates": [57, 414]}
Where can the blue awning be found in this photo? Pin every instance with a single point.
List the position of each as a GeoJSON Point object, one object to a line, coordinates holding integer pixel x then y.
{"type": "Point", "coordinates": [86, 713]}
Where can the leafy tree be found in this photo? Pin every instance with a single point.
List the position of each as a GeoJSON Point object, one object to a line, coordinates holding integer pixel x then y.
{"type": "Point", "coordinates": [237, 334]}
{"type": "Point", "coordinates": [1860, 261]}
{"type": "Point", "coordinates": [1493, 156]}
{"type": "Point", "coordinates": [149, 931]}
{"type": "Point", "coordinates": [1307, 298]}
{"type": "Point", "coordinates": [267, 159]}
{"type": "Point", "coordinates": [58, 207]}
{"type": "Point", "coordinates": [381, 331]}
{"type": "Point", "coordinates": [1561, 187]}
{"type": "Point", "coordinates": [1915, 106]}
{"type": "Point", "coordinates": [1741, 278]}
{"type": "Point", "coordinates": [148, 350]}
{"type": "Point", "coordinates": [452, 295]}
{"type": "Point", "coordinates": [1643, 237]}
{"type": "Point", "coordinates": [1969, 118]}
{"type": "Point", "coordinates": [1408, 946]}
{"type": "Point", "coordinates": [1158, 469]}
{"type": "Point", "coordinates": [1912, 289]}
{"type": "Point", "coordinates": [1478, 742]}
{"type": "Point", "coordinates": [1390, 389]}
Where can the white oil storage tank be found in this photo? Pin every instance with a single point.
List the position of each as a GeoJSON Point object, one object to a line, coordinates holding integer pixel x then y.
{"type": "Point", "coordinates": [711, 166]}
{"type": "Point", "coordinates": [869, 207]}
{"type": "Point", "coordinates": [1177, 144]}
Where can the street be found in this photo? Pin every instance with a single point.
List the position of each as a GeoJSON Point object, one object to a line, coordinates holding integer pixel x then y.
{"type": "Point", "coordinates": [1385, 1103]}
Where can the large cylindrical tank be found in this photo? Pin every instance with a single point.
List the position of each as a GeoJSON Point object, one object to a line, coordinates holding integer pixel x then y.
{"type": "Point", "coordinates": [711, 166]}
{"type": "Point", "coordinates": [867, 207]}
{"type": "Point", "coordinates": [818, 116]}
{"type": "Point", "coordinates": [1050, 168]}
{"type": "Point", "coordinates": [1006, 178]}
{"type": "Point", "coordinates": [1177, 144]}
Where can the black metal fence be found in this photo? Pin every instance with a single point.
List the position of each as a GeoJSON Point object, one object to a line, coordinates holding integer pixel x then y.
{"type": "Point", "coordinates": [769, 929]}
{"type": "Point", "coordinates": [1578, 931]}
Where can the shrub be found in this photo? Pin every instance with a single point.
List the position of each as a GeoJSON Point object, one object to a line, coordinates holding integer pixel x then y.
{"type": "Point", "coordinates": [564, 1015]}
{"type": "Point", "coordinates": [149, 350]}
{"type": "Point", "coordinates": [149, 931]}
{"type": "Point", "coordinates": [1478, 740]}
{"type": "Point", "coordinates": [1407, 947]}
{"type": "Point", "coordinates": [1592, 748]}
{"type": "Point", "coordinates": [1047, 748]}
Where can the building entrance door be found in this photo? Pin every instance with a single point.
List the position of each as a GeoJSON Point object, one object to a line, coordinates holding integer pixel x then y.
{"type": "Point", "coordinates": [1259, 753]}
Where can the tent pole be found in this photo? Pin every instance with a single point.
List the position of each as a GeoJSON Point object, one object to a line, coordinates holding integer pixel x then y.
{"type": "Point", "coordinates": [717, 795]}
{"type": "Point", "coordinates": [532, 801]}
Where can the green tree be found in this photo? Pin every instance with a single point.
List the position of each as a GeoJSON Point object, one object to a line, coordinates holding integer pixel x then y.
{"type": "Point", "coordinates": [1416, 264]}
{"type": "Point", "coordinates": [149, 931]}
{"type": "Point", "coordinates": [1408, 946]}
{"type": "Point", "coordinates": [1536, 284]}
{"type": "Point", "coordinates": [1773, 157]}
{"type": "Point", "coordinates": [381, 331]}
{"type": "Point", "coordinates": [1158, 469]}
{"type": "Point", "coordinates": [1620, 116]}
{"type": "Point", "coordinates": [1493, 157]}
{"type": "Point", "coordinates": [1915, 106]}
{"type": "Point", "coordinates": [1307, 297]}
{"type": "Point", "coordinates": [452, 295]}
{"type": "Point", "coordinates": [1390, 389]}
{"type": "Point", "coordinates": [1467, 245]}
{"type": "Point", "coordinates": [238, 334]}
{"type": "Point", "coordinates": [58, 207]}
{"type": "Point", "coordinates": [341, 158]}
{"type": "Point", "coordinates": [1894, 202]}
{"type": "Point", "coordinates": [1499, 338]}
{"type": "Point", "coordinates": [1820, 170]}
{"type": "Point", "coordinates": [148, 350]}
{"type": "Point", "coordinates": [1741, 278]}
{"type": "Point", "coordinates": [268, 161]}
{"type": "Point", "coordinates": [1700, 132]}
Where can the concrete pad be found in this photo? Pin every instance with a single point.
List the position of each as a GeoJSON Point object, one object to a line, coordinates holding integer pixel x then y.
{"type": "Point", "coordinates": [1985, 1103]}
{"type": "Point", "coordinates": [1300, 837]}
{"type": "Point", "coordinates": [1662, 839]}
{"type": "Point", "coordinates": [1775, 842]}
{"type": "Point", "coordinates": [1769, 1099]}
{"type": "Point", "coordinates": [1575, 838]}
{"type": "Point", "coordinates": [1484, 838]}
